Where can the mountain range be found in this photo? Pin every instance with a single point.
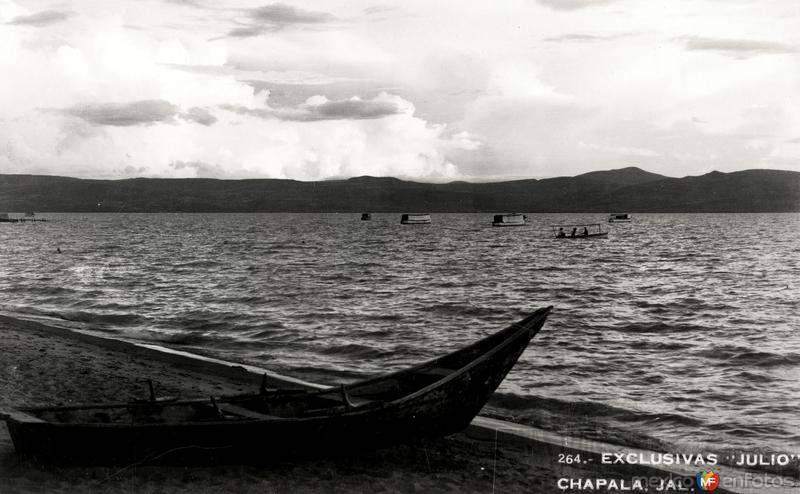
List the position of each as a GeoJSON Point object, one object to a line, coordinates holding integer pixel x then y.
{"type": "Point", "coordinates": [625, 190]}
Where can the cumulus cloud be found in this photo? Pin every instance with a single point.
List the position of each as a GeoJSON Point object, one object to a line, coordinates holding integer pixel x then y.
{"type": "Point", "coordinates": [43, 18]}
{"type": "Point", "coordinates": [278, 16]}
{"type": "Point", "coordinates": [121, 109]}
{"type": "Point", "coordinates": [124, 114]}
{"type": "Point", "coordinates": [737, 48]}
{"type": "Point", "coordinates": [530, 88]}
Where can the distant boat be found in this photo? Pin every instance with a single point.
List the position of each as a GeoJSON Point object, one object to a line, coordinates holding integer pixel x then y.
{"type": "Point", "coordinates": [619, 218]}
{"type": "Point", "coordinates": [513, 219]}
{"type": "Point", "coordinates": [5, 219]}
{"type": "Point", "coordinates": [582, 230]}
{"type": "Point", "coordinates": [415, 219]}
{"type": "Point", "coordinates": [29, 214]}
{"type": "Point", "coordinates": [366, 216]}
{"type": "Point", "coordinates": [431, 399]}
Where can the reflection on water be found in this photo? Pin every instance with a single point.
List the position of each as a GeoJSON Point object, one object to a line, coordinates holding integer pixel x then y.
{"type": "Point", "coordinates": [679, 327]}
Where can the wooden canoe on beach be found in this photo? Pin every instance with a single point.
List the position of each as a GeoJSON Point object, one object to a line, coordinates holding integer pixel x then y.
{"type": "Point", "coordinates": [432, 399]}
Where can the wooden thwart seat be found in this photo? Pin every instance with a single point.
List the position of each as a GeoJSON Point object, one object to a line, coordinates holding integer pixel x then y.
{"type": "Point", "coordinates": [227, 408]}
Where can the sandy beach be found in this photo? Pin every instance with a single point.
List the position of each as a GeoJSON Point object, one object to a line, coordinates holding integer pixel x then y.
{"type": "Point", "coordinates": [42, 365]}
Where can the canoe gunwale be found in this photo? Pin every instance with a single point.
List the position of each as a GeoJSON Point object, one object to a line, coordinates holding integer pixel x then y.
{"type": "Point", "coordinates": [529, 321]}
{"type": "Point", "coordinates": [536, 318]}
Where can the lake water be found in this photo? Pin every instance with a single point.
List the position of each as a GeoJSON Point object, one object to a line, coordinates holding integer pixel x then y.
{"type": "Point", "coordinates": [678, 329]}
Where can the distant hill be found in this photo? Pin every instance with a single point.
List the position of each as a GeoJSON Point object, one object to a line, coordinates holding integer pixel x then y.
{"type": "Point", "coordinates": [625, 190]}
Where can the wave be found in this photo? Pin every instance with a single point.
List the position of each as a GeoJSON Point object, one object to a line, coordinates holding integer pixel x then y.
{"type": "Point", "coordinates": [657, 327]}
{"type": "Point", "coordinates": [198, 263]}
{"type": "Point", "coordinates": [113, 319]}
{"type": "Point", "coordinates": [355, 350]}
{"type": "Point", "coordinates": [514, 402]}
{"type": "Point", "coordinates": [765, 359]}
{"type": "Point", "coordinates": [463, 309]}
{"type": "Point", "coordinates": [742, 356]}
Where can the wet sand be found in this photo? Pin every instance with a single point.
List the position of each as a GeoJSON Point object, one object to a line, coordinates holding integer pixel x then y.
{"type": "Point", "coordinates": [42, 365]}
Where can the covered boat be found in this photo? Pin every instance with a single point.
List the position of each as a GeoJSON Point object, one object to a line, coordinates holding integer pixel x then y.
{"type": "Point", "coordinates": [513, 219]}
{"type": "Point", "coordinates": [415, 219]}
{"type": "Point", "coordinates": [435, 398]}
{"type": "Point", "coordinates": [579, 230]}
{"type": "Point", "coordinates": [619, 218]}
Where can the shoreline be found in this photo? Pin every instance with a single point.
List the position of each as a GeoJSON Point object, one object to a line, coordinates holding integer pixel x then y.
{"type": "Point", "coordinates": [48, 365]}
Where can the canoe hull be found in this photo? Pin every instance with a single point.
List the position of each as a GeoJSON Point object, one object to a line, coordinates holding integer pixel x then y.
{"type": "Point", "coordinates": [443, 407]}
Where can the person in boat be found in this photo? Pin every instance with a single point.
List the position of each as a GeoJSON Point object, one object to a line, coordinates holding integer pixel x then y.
{"type": "Point", "coordinates": [574, 231]}
{"type": "Point", "coordinates": [561, 233]}
{"type": "Point", "coordinates": [585, 231]}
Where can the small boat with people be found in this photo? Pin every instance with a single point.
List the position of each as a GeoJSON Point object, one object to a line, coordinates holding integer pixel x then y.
{"type": "Point", "coordinates": [580, 230]}
{"type": "Point", "coordinates": [512, 219]}
{"type": "Point", "coordinates": [415, 219]}
{"type": "Point", "coordinates": [619, 218]}
{"type": "Point", "coordinates": [431, 399]}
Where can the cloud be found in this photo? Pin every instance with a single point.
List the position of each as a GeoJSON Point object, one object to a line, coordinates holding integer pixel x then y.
{"type": "Point", "coordinates": [199, 169]}
{"type": "Point", "coordinates": [320, 108]}
{"type": "Point", "coordinates": [583, 38]}
{"type": "Point", "coordinates": [379, 9]}
{"type": "Point", "coordinates": [144, 112]}
{"type": "Point", "coordinates": [125, 114]}
{"type": "Point", "coordinates": [294, 92]}
{"type": "Point", "coordinates": [187, 3]}
{"type": "Point", "coordinates": [737, 48]}
{"type": "Point", "coordinates": [199, 115]}
{"type": "Point", "coordinates": [43, 18]}
{"type": "Point", "coordinates": [282, 14]}
{"type": "Point", "coordinates": [573, 4]}
{"type": "Point", "coordinates": [353, 108]}
{"type": "Point", "coordinates": [278, 16]}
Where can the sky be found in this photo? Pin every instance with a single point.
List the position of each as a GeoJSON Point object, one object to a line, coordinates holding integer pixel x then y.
{"type": "Point", "coordinates": [423, 90]}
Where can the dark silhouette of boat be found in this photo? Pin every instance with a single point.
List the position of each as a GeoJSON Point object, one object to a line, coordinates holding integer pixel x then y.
{"type": "Point", "coordinates": [579, 230]}
{"type": "Point", "coordinates": [435, 398]}
{"type": "Point", "coordinates": [415, 219]}
{"type": "Point", "coordinates": [619, 218]}
{"type": "Point", "coordinates": [512, 219]}
{"type": "Point", "coordinates": [366, 216]}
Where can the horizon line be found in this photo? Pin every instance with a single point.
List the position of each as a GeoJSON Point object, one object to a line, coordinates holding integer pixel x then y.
{"type": "Point", "coordinates": [399, 178]}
